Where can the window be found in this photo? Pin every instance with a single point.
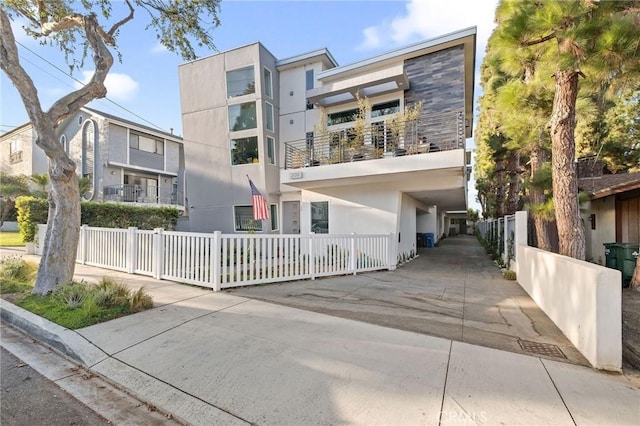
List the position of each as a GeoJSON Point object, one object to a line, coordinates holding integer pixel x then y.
{"type": "Point", "coordinates": [63, 142]}
{"type": "Point", "coordinates": [341, 117]}
{"type": "Point", "coordinates": [274, 217]}
{"type": "Point", "coordinates": [15, 151]}
{"type": "Point", "coordinates": [269, 112]}
{"type": "Point", "coordinates": [385, 108]}
{"type": "Point", "coordinates": [244, 150]}
{"type": "Point", "coordinates": [271, 150]}
{"type": "Point", "coordinates": [146, 143]}
{"type": "Point", "coordinates": [243, 218]}
{"type": "Point", "coordinates": [309, 139]}
{"type": "Point", "coordinates": [320, 217]}
{"type": "Point", "coordinates": [242, 116]}
{"type": "Point", "coordinates": [268, 84]}
{"type": "Point", "coordinates": [240, 82]}
{"type": "Point", "coordinates": [309, 79]}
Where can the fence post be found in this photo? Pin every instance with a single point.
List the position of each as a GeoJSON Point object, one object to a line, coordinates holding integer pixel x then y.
{"type": "Point", "coordinates": [520, 234]}
{"type": "Point", "coordinates": [312, 263]}
{"type": "Point", "coordinates": [132, 249]}
{"type": "Point", "coordinates": [391, 253]}
{"type": "Point", "coordinates": [354, 263]}
{"type": "Point", "coordinates": [84, 236]}
{"type": "Point", "coordinates": [158, 253]}
{"type": "Point", "coordinates": [215, 261]}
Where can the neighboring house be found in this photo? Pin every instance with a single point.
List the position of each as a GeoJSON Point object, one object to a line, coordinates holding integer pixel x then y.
{"type": "Point", "coordinates": [291, 126]}
{"type": "Point", "coordinates": [126, 162]}
{"type": "Point", "coordinates": [613, 212]}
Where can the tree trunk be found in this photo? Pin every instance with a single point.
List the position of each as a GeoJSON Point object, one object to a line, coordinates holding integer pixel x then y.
{"type": "Point", "coordinates": [63, 225]}
{"type": "Point", "coordinates": [513, 196]}
{"type": "Point", "coordinates": [563, 168]}
{"type": "Point", "coordinates": [538, 158]}
{"type": "Point", "coordinates": [500, 187]}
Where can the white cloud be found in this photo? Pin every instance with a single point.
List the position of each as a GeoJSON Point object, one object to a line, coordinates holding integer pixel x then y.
{"type": "Point", "coordinates": [423, 19]}
{"type": "Point", "coordinates": [159, 48]}
{"type": "Point", "coordinates": [120, 87]}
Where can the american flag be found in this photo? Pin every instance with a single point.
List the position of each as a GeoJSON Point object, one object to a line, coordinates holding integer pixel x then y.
{"type": "Point", "coordinates": [260, 208]}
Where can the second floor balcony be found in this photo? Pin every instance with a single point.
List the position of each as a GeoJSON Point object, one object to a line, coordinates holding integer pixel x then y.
{"type": "Point", "coordinates": [125, 193]}
{"type": "Point", "coordinates": [385, 139]}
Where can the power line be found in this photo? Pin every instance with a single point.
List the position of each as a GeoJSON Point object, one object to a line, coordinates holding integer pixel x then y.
{"type": "Point", "coordinates": [80, 82]}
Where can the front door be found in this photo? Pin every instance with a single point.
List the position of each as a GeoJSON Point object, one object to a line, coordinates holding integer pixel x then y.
{"type": "Point", "coordinates": [291, 217]}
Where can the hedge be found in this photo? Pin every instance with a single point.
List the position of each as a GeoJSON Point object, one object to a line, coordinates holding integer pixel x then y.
{"type": "Point", "coordinates": [32, 211]}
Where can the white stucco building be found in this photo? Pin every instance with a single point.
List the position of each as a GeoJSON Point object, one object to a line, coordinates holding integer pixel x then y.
{"type": "Point", "coordinates": [294, 127]}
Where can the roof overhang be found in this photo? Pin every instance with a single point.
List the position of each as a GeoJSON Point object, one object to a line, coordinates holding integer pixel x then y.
{"type": "Point", "coordinates": [378, 82]}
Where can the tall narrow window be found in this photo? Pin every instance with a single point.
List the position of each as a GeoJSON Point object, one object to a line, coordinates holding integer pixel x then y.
{"type": "Point", "coordinates": [274, 217]}
{"type": "Point", "coordinates": [271, 150]}
{"type": "Point", "coordinates": [268, 84]}
{"type": "Point", "coordinates": [269, 113]}
{"type": "Point", "coordinates": [241, 82]}
{"type": "Point", "coordinates": [309, 79]}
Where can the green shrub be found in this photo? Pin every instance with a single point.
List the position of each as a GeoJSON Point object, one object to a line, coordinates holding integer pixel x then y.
{"type": "Point", "coordinates": [16, 275]}
{"type": "Point", "coordinates": [109, 293]}
{"type": "Point", "coordinates": [509, 275]}
{"type": "Point", "coordinates": [72, 294]}
{"type": "Point", "coordinates": [31, 212]}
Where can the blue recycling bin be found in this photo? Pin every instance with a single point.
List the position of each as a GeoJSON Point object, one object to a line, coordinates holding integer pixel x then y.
{"type": "Point", "coordinates": [429, 239]}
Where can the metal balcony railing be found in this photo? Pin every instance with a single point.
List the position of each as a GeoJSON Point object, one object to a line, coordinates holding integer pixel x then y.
{"type": "Point", "coordinates": [142, 194]}
{"type": "Point", "coordinates": [437, 132]}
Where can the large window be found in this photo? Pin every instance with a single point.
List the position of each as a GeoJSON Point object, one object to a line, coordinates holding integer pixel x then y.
{"type": "Point", "coordinates": [242, 116]}
{"type": "Point", "coordinates": [268, 83]}
{"type": "Point", "coordinates": [341, 117]}
{"type": "Point", "coordinates": [271, 150]}
{"type": "Point", "coordinates": [243, 218]}
{"type": "Point", "coordinates": [146, 143]}
{"type": "Point", "coordinates": [274, 217]}
{"type": "Point", "coordinates": [244, 150]}
{"type": "Point", "coordinates": [320, 217]}
{"type": "Point", "coordinates": [309, 79]}
{"type": "Point", "coordinates": [385, 108]}
{"type": "Point", "coordinates": [240, 82]}
{"type": "Point", "coordinates": [268, 108]}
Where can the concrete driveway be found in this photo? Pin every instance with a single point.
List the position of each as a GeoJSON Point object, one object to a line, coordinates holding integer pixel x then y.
{"type": "Point", "coordinates": [453, 291]}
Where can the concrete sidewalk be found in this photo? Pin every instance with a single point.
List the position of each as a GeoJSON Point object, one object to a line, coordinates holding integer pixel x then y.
{"type": "Point", "coordinates": [215, 358]}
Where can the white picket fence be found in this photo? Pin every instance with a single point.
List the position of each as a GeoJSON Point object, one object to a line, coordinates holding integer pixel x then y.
{"type": "Point", "coordinates": [222, 261]}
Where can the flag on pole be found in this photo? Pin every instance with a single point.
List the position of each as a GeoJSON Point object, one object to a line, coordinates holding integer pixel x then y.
{"type": "Point", "coordinates": [260, 208]}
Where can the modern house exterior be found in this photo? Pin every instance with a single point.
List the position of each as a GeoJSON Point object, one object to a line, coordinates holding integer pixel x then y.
{"type": "Point", "coordinates": [126, 162]}
{"type": "Point", "coordinates": [376, 146]}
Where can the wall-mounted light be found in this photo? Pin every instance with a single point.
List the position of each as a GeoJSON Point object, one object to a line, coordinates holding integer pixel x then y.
{"type": "Point", "coordinates": [166, 180]}
{"type": "Point", "coordinates": [113, 172]}
{"type": "Point", "coordinates": [290, 121]}
{"type": "Point", "coordinates": [291, 93]}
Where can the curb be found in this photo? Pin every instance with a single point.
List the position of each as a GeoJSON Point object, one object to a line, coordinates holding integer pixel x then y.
{"type": "Point", "coordinates": [65, 341]}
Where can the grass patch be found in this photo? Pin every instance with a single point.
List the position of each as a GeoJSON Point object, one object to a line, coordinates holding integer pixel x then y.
{"type": "Point", "coordinates": [16, 275]}
{"type": "Point", "coordinates": [11, 239]}
{"type": "Point", "coordinates": [73, 305]}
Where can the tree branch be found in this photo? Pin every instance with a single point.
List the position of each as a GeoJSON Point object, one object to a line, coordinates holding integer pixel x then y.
{"type": "Point", "coordinates": [120, 23]}
{"type": "Point", "coordinates": [538, 41]}
{"type": "Point", "coordinates": [69, 21]}
{"type": "Point", "coordinates": [95, 88]}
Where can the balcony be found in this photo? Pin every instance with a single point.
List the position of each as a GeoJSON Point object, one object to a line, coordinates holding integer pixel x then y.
{"type": "Point", "coordinates": [141, 194]}
{"type": "Point", "coordinates": [15, 157]}
{"type": "Point", "coordinates": [435, 133]}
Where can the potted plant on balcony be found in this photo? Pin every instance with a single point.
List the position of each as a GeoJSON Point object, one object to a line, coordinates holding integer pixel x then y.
{"type": "Point", "coordinates": [359, 130]}
{"type": "Point", "coordinates": [398, 127]}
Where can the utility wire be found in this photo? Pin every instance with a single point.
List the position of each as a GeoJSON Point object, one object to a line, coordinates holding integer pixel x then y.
{"type": "Point", "coordinates": [80, 82]}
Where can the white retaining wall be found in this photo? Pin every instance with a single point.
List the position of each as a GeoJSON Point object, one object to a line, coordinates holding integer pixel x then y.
{"type": "Point", "coordinates": [583, 299]}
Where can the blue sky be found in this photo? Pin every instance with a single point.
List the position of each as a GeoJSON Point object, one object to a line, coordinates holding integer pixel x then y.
{"type": "Point", "coordinates": [146, 83]}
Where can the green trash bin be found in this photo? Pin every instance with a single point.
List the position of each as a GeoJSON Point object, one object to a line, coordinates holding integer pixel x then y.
{"type": "Point", "coordinates": [611, 255]}
{"type": "Point", "coordinates": [627, 255]}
